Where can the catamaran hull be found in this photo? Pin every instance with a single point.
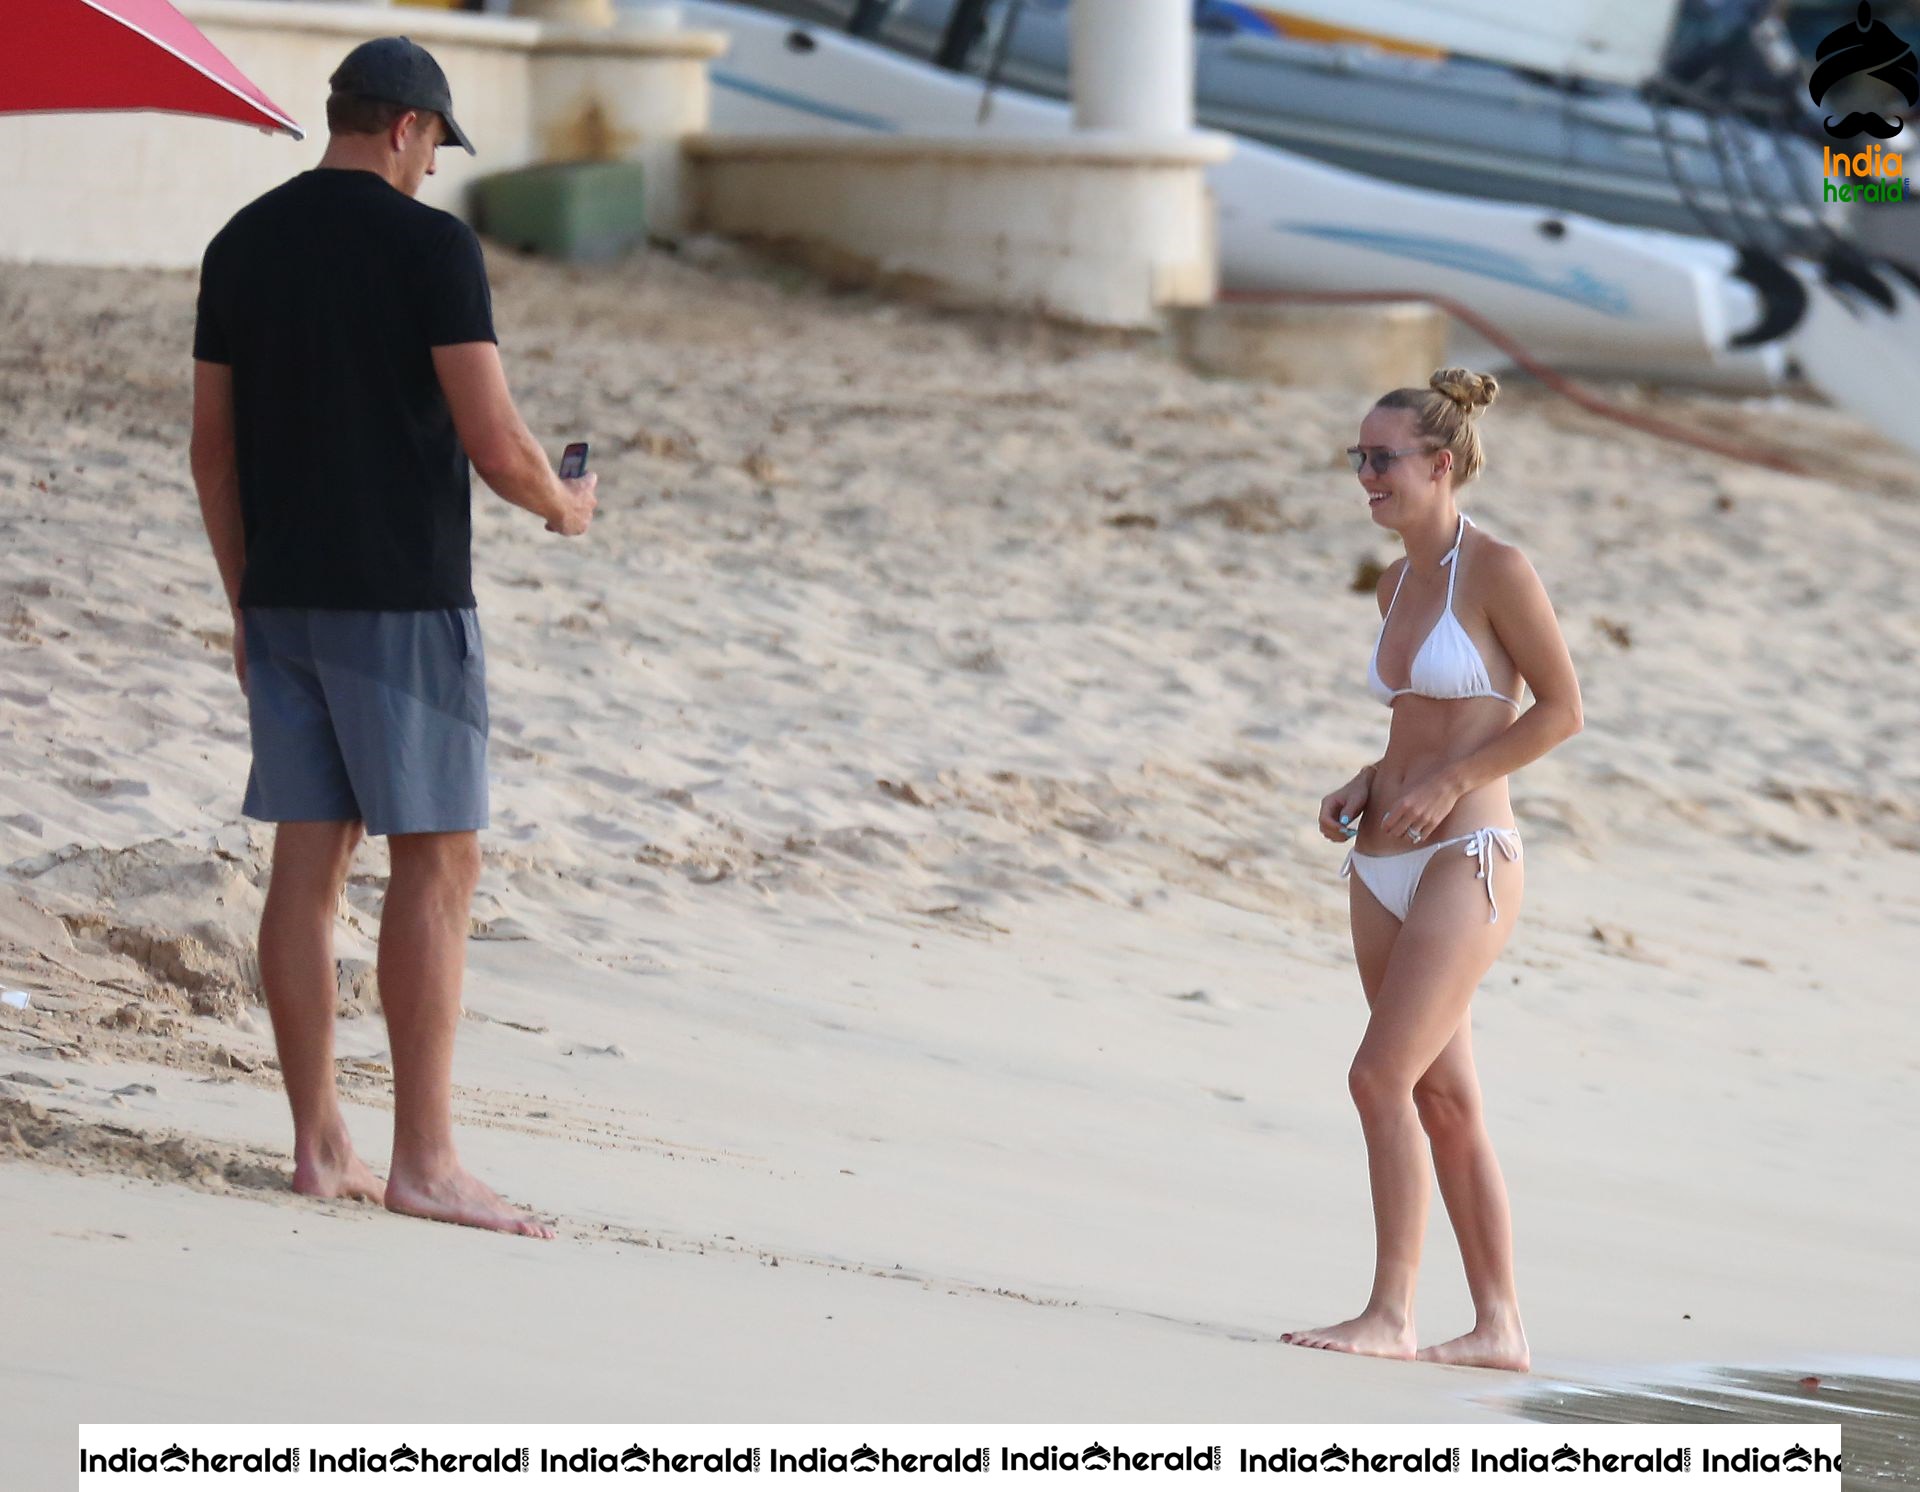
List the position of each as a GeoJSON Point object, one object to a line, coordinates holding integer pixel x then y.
{"type": "Point", "coordinates": [1576, 293]}
{"type": "Point", "coordinates": [1451, 124]}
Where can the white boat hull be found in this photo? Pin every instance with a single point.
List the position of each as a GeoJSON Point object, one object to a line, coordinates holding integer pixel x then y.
{"type": "Point", "coordinates": [1861, 356]}
{"type": "Point", "coordinates": [1574, 292]}
{"type": "Point", "coordinates": [1618, 41]}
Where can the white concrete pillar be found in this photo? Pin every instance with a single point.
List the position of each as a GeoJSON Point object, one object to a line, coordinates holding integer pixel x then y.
{"type": "Point", "coordinates": [1130, 66]}
{"type": "Point", "coordinates": [624, 93]}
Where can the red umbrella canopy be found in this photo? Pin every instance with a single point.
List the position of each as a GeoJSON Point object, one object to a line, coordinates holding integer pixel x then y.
{"type": "Point", "coordinates": [57, 56]}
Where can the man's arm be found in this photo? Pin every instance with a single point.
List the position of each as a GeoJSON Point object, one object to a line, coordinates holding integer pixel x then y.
{"type": "Point", "coordinates": [216, 472]}
{"type": "Point", "coordinates": [216, 477]}
{"type": "Point", "coordinates": [499, 444]}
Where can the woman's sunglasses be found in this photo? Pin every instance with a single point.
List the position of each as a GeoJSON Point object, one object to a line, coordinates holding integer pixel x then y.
{"type": "Point", "coordinates": [1359, 456]}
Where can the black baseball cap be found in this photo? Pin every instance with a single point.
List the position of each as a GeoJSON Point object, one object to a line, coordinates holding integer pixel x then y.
{"type": "Point", "coordinates": [398, 70]}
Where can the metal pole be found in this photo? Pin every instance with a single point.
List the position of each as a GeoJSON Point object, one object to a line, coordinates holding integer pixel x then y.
{"type": "Point", "coordinates": [964, 29]}
{"type": "Point", "coordinates": [867, 16]}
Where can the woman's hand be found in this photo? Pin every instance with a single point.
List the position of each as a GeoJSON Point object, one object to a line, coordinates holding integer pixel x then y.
{"type": "Point", "coordinates": [1423, 806]}
{"type": "Point", "coordinates": [1340, 810]}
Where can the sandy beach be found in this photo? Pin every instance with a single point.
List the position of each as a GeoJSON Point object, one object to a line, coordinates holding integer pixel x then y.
{"type": "Point", "coordinates": [905, 965]}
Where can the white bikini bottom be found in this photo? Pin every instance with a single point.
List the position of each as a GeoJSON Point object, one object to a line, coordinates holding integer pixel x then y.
{"type": "Point", "coordinates": [1394, 878]}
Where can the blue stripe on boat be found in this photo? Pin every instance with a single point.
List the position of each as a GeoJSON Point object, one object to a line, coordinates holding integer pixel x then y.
{"type": "Point", "coordinates": [801, 102]}
{"type": "Point", "coordinates": [1578, 285]}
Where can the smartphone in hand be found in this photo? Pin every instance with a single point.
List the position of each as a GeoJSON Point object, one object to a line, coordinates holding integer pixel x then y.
{"type": "Point", "coordinates": [573, 461]}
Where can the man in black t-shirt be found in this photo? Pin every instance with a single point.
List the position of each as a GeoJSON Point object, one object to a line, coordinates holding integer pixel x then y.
{"type": "Point", "coordinates": [345, 372]}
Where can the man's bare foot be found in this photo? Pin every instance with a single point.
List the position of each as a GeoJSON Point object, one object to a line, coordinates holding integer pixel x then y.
{"type": "Point", "coordinates": [335, 1171]}
{"type": "Point", "coordinates": [455, 1196]}
{"type": "Point", "coordinates": [1366, 1334]}
{"type": "Point", "coordinates": [1490, 1346]}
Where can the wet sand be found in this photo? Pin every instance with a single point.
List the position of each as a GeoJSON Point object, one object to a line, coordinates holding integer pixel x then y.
{"type": "Point", "coordinates": [1879, 1414]}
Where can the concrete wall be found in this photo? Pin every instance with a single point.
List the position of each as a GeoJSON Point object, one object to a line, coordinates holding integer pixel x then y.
{"type": "Point", "coordinates": [151, 189]}
{"type": "Point", "coordinates": [1368, 349]}
{"type": "Point", "coordinates": [627, 96]}
{"type": "Point", "coordinates": [1101, 229]}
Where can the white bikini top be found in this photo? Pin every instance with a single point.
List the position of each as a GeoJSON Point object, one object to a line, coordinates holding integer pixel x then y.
{"type": "Point", "coordinates": [1448, 665]}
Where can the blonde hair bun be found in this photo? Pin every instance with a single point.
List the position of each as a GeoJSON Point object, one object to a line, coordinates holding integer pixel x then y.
{"type": "Point", "coordinates": [1444, 415]}
{"type": "Point", "coordinates": [1471, 391]}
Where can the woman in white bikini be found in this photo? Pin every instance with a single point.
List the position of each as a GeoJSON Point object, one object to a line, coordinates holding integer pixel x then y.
{"type": "Point", "coordinates": [1435, 859]}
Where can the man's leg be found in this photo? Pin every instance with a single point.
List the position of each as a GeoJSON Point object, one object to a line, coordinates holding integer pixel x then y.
{"type": "Point", "coordinates": [423, 954]}
{"type": "Point", "coordinates": [310, 862]}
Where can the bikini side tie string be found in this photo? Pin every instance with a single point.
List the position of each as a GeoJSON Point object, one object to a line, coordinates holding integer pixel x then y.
{"type": "Point", "coordinates": [1480, 844]}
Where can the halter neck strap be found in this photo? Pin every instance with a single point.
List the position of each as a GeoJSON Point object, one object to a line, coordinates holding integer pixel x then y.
{"type": "Point", "coordinates": [1459, 534]}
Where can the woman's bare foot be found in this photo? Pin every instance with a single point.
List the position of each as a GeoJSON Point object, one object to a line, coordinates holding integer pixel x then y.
{"type": "Point", "coordinates": [1494, 1345]}
{"type": "Point", "coordinates": [1368, 1334]}
{"type": "Point", "coordinates": [333, 1170]}
{"type": "Point", "coordinates": [455, 1196]}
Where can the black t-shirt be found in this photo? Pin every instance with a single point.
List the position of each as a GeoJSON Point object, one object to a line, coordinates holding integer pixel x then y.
{"type": "Point", "coordinates": [326, 296]}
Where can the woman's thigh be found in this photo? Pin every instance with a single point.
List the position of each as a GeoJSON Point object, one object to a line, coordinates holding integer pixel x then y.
{"type": "Point", "coordinates": [1374, 931]}
{"type": "Point", "coordinates": [1438, 958]}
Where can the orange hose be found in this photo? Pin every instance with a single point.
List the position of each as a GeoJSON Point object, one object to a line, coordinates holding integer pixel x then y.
{"type": "Point", "coordinates": [1586, 398]}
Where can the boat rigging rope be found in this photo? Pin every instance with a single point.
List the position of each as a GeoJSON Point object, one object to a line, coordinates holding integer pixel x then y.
{"type": "Point", "coordinates": [1566, 388]}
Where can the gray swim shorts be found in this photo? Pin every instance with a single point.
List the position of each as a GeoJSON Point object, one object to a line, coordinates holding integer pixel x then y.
{"type": "Point", "coordinates": [379, 716]}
